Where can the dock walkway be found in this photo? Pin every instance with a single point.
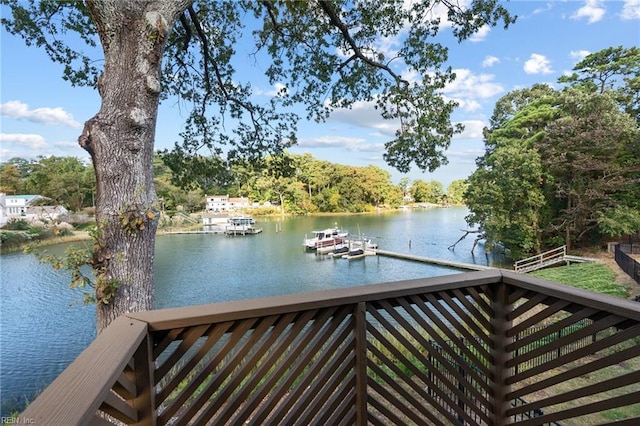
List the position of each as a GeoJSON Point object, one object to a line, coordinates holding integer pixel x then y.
{"type": "Point", "coordinates": [548, 258]}
{"type": "Point", "coordinates": [451, 264]}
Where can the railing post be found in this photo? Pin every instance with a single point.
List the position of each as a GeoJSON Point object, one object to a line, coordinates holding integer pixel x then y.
{"type": "Point", "coordinates": [360, 331]}
{"type": "Point", "coordinates": [145, 402]}
{"type": "Point", "coordinates": [500, 326]}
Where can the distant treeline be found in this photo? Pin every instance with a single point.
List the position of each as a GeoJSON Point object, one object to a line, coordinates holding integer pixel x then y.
{"type": "Point", "coordinates": [300, 184]}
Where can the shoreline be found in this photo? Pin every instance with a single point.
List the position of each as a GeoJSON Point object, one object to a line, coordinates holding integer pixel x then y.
{"type": "Point", "coordinates": [602, 256]}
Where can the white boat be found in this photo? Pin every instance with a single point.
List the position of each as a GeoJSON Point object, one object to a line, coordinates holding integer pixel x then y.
{"type": "Point", "coordinates": [241, 225]}
{"type": "Point", "coordinates": [325, 238]}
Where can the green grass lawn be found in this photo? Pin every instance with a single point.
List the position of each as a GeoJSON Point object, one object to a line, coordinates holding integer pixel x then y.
{"type": "Point", "coordinates": [588, 276]}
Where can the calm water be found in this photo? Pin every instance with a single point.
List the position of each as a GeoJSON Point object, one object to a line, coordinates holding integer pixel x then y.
{"type": "Point", "coordinates": [40, 333]}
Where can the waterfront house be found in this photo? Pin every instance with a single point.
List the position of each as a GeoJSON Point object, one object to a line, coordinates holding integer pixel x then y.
{"type": "Point", "coordinates": [224, 203]}
{"type": "Point", "coordinates": [15, 206]}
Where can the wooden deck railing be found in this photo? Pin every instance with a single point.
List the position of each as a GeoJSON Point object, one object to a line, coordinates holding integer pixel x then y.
{"type": "Point", "coordinates": [470, 348]}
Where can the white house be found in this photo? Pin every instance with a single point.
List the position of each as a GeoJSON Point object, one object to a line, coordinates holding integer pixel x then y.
{"type": "Point", "coordinates": [217, 203]}
{"type": "Point", "coordinates": [3, 209]}
{"type": "Point", "coordinates": [15, 206]}
{"type": "Point", "coordinates": [223, 203]}
{"type": "Point", "coordinates": [21, 207]}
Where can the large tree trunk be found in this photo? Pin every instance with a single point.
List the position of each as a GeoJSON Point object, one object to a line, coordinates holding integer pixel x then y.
{"type": "Point", "coordinates": [120, 140]}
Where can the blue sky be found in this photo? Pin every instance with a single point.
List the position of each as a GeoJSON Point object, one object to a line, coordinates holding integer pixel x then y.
{"type": "Point", "coordinates": [41, 114]}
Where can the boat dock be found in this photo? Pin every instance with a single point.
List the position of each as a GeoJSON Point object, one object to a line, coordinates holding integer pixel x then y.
{"type": "Point", "coordinates": [457, 265]}
{"type": "Point", "coordinates": [233, 231]}
{"type": "Point", "coordinates": [177, 232]}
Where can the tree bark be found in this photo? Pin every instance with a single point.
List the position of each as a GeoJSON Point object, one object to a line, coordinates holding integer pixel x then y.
{"type": "Point", "coordinates": [120, 140]}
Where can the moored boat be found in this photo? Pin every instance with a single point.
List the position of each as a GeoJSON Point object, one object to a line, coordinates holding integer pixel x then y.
{"type": "Point", "coordinates": [354, 254]}
{"type": "Point", "coordinates": [241, 225]}
{"type": "Point", "coordinates": [329, 237]}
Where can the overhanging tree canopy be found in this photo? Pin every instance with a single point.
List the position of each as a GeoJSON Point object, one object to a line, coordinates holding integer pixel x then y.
{"type": "Point", "coordinates": [323, 54]}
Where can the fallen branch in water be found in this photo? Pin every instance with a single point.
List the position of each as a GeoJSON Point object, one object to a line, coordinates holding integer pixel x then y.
{"type": "Point", "coordinates": [480, 236]}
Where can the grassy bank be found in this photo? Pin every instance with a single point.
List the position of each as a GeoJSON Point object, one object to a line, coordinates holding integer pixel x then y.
{"type": "Point", "coordinates": [590, 276]}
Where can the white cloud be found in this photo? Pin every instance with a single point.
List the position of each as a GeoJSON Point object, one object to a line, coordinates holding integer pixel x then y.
{"type": "Point", "coordinates": [468, 87]}
{"type": "Point", "coordinates": [592, 10]}
{"type": "Point", "coordinates": [464, 156]}
{"type": "Point", "coordinates": [537, 64]}
{"type": "Point", "coordinates": [364, 114]}
{"type": "Point", "coordinates": [31, 146]}
{"type": "Point", "coordinates": [29, 141]}
{"type": "Point", "coordinates": [579, 55]}
{"type": "Point", "coordinates": [490, 61]}
{"type": "Point", "coordinates": [630, 10]}
{"type": "Point", "coordinates": [469, 105]}
{"type": "Point", "coordinates": [49, 116]}
{"type": "Point", "coordinates": [546, 8]}
{"type": "Point", "coordinates": [472, 129]}
{"type": "Point", "coordinates": [351, 144]}
{"type": "Point", "coordinates": [482, 33]}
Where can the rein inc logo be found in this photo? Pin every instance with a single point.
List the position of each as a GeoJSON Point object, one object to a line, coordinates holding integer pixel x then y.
{"type": "Point", "coordinates": [17, 421]}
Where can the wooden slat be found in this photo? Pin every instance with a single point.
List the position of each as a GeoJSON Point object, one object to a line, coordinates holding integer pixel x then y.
{"type": "Point", "coordinates": [599, 301]}
{"type": "Point", "coordinates": [550, 329]}
{"type": "Point", "coordinates": [421, 407]}
{"type": "Point", "coordinates": [594, 389]}
{"type": "Point", "coordinates": [391, 415]}
{"type": "Point", "coordinates": [280, 359]}
{"type": "Point", "coordinates": [74, 397]}
{"type": "Point", "coordinates": [256, 367]}
{"type": "Point", "coordinates": [575, 336]}
{"type": "Point", "coordinates": [213, 336]}
{"type": "Point", "coordinates": [290, 369]}
{"type": "Point", "coordinates": [445, 311]}
{"type": "Point", "coordinates": [341, 407]}
{"type": "Point", "coordinates": [126, 386]}
{"type": "Point", "coordinates": [435, 371]}
{"type": "Point", "coordinates": [317, 376]}
{"type": "Point", "coordinates": [334, 376]}
{"type": "Point", "coordinates": [447, 331]}
{"type": "Point", "coordinates": [396, 404]}
{"type": "Point", "coordinates": [538, 317]}
{"type": "Point", "coordinates": [179, 401]}
{"type": "Point", "coordinates": [517, 294]}
{"type": "Point", "coordinates": [582, 410]}
{"type": "Point", "coordinates": [163, 343]}
{"type": "Point", "coordinates": [362, 362]}
{"type": "Point", "coordinates": [189, 339]}
{"type": "Point", "coordinates": [467, 318]}
{"type": "Point", "coordinates": [236, 369]}
{"type": "Point", "coordinates": [534, 301]}
{"type": "Point", "coordinates": [581, 370]}
{"type": "Point", "coordinates": [116, 407]}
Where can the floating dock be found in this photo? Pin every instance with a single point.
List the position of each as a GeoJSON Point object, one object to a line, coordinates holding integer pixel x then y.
{"type": "Point", "coordinates": [457, 265]}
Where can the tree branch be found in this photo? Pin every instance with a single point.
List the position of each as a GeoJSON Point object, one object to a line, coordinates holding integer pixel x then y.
{"type": "Point", "coordinates": [337, 22]}
{"type": "Point", "coordinates": [208, 59]}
